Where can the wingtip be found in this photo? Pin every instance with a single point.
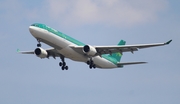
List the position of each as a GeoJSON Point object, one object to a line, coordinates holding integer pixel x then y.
{"type": "Point", "coordinates": [168, 42]}
{"type": "Point", "coordinates": [18, 50]}
{"type": "Point", "coordinates": [143, 62]}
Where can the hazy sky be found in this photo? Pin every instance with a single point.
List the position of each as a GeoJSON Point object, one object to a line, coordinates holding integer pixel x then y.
{"type": "Point", "coordinates": [27, 79]}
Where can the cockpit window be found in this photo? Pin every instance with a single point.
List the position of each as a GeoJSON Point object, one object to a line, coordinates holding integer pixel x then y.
{"type": "Point", "coordinates": [39, 25]}
{"type": "Point", "coordinates": [33, 25]}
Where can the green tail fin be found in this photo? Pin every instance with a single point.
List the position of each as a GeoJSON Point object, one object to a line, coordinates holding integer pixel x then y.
{"type": "Point", "coordinates": [118, 55]}
{"type": "Point", "coordinates": [122, 42]}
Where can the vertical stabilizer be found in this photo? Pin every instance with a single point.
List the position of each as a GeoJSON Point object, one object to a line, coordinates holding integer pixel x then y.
{"type": "Point", "coordinates": [122, 42]}
{"type": "Point", "coordinates": [118, 55]}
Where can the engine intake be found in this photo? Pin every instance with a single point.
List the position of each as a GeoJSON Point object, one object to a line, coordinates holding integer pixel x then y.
{"type": "Point", "coordinates": [40, 52]}
{"type": "Point", "coordinates": [89, 50]}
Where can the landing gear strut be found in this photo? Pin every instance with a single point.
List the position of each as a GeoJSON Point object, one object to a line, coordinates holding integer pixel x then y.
{"type": "Point", "coordinates": [91, 64]}
{"type": "Point", "coordinates": [63, 64]}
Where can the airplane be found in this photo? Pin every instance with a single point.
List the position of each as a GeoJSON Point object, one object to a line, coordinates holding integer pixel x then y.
{"type": "Point", "coordinates": [64, 46]}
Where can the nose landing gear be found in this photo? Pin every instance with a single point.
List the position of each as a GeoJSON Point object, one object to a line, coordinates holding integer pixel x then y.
{"type": "Point", "coordinates": [39, 44]}
{"type": "Point", "coordinates": [61, 64]}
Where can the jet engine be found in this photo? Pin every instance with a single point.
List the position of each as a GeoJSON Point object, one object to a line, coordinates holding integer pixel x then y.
{"type": "Point", "coordinates": [89, 50]}
{"type": "Point", "coordinates": [40, 52]}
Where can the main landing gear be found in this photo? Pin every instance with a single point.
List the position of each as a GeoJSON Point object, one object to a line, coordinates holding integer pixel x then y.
{"type": "Point", "coordinates": [91, 64]}
{"type": "Point", "coordinates": [63, 64]}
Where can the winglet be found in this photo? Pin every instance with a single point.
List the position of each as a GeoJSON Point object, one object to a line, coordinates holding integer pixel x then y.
{"type": "Point", "coordinates": [168, 42]}
{"type": "Point", "coordinates": [18, 50]}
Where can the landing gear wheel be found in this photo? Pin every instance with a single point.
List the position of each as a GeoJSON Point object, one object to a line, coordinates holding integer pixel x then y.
{"type": "Point", "coordinates": [39, 45]}
{"type": "Point", "coordinates": [63, 63]}
{"type": "Point", "coordinates": [88, 62]}
{"type": "Point", "coordinates": [90, 66]}
{"type": "Point", "coordinates": [66, 67]}
{"type": "Point", "coordinates": [60, 64]}
{"type": "Point", "coordinates": [94, 66]}
{"type": "Point", "coordinates": [62, 67]}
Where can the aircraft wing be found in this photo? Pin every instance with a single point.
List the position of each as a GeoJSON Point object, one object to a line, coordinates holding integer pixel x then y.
{"type": "Point", "coordinates": [51, 52]}
{"type": "Point", "coordinates": [129, 63]}
{"type": "Point", "coordinates": [126, 48]}
{"type": "Point", "coordinates": [120, 48]}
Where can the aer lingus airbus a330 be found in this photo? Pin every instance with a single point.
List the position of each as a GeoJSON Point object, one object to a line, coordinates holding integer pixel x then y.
{"type": "Point", "coordinates": [64, 46]}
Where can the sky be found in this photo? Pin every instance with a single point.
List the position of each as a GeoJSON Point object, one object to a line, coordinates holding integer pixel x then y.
{"type": "Point", "coordinates": [27, 79]}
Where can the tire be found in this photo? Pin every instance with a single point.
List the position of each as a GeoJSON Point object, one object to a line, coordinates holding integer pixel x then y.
{"type": "Point", "coordinates": [90, 66]}
{"type": "Point", "coordinates": [88, 62]}
{"type": "Point", "coordinates": [60, 64]}
{"type": "Point", "coordinates": [94, 66]}
{"type": "Point", "coordinates": [38, 45]}
{"type": "Point", "coordinates": [66, 67]}
{"type": "Point", "coordinates": [62, 67]}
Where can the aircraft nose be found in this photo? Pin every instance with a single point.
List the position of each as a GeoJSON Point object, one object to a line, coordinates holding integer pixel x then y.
{"type": "Point", "coordinates": [31, 29]}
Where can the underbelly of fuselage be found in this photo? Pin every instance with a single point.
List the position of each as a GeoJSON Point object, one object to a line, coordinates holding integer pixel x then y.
{"type": "Point", "coordinates": [62, 46]}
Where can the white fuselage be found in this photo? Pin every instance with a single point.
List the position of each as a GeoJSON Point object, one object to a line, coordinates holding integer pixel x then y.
{"type": "Point", "coordinates": [62, 46]}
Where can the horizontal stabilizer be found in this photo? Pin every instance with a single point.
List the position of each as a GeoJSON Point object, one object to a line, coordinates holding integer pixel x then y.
{"type": "Point", "coordinates": [130, 63]}
{"type": "Point", "coordinates": [25, 52]}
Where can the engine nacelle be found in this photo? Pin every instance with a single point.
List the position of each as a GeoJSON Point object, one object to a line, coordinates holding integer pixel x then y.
{"type": "Point", "coordinates": [40, 52]}
{"type": "Point", "coordinates": [89, 50]}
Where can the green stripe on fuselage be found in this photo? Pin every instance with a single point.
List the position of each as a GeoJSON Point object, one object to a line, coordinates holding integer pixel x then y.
{"type": "Point", "coordinates": [66, 37]}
